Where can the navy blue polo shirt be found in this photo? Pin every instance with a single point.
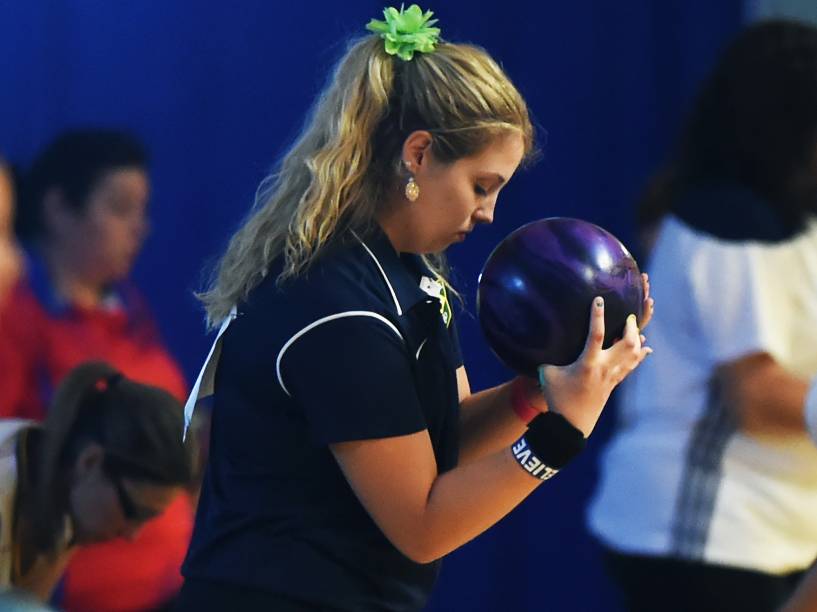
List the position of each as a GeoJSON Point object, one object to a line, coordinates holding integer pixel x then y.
{"type": "Point", "coordinates": [352, 350]}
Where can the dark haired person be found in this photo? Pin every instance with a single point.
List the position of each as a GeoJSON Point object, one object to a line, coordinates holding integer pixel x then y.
{"type": "Point", "coordinates": [107, 459]}
{"type": "Point", "coordinates": [82, 218]}
{"type": "Point", "coordinates": [708, 495]}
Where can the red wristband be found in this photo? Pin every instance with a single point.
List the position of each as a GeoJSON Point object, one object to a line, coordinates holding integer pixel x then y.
{"type": "Point", "coordinates": [519, 400]}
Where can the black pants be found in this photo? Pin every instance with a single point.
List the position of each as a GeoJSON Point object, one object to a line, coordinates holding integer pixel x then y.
{"type": "Point", "coordinates": [655, 584]}
{"type": "Point", "coordinates": [206, 596]}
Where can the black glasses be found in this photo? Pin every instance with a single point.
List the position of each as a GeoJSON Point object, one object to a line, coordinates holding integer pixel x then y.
{"type": "Point", "coordinates": [130, 510]}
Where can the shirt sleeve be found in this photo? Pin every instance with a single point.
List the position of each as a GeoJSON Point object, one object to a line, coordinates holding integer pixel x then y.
{"type": "Point", "coordinates": [736, 290]}
{"type": "Point", "coordinates": [353, 379]}
{"type": "Point", "coordinates": [456, 350]}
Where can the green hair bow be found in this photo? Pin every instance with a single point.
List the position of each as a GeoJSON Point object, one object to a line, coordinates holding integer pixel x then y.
{"type": "Point", "coordinates": [406, 31]}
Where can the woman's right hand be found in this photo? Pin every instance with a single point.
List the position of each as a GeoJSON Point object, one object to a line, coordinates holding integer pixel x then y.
{"type": "Point", "coordinates": [580, 390]}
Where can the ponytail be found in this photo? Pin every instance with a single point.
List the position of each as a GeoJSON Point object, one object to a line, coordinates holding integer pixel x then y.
{"type": "Point", "coordinates": [138, 426]}
{"type": "Point", "coordinates": [336, 176]}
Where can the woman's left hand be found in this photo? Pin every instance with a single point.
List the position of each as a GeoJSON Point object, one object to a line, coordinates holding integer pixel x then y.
{"type": "Point", "coordinates": [579, 391]}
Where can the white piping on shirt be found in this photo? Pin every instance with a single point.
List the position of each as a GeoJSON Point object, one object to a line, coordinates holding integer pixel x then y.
{"type": "Point", "coordinates": [383, 273]}
{"type": "Point", "coordinates": [314, 324]}
{"type": "Point", "coordinates": [205, 381]}
{"type": "Point", "coordinates": [422, 344]}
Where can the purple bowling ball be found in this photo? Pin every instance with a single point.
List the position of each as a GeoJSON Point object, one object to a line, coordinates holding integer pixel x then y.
{"type": "Point", "coordinates": [537, 287]}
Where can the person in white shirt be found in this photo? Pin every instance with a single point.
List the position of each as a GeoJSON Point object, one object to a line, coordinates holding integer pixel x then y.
{"type": "Point", "coordinates": [708, 492]}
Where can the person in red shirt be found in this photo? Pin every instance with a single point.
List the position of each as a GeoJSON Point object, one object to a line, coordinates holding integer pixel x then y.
{"type": "Point", "coordinates": [82, 220]}
{"type": "Point", "coordinates": [10, 269]}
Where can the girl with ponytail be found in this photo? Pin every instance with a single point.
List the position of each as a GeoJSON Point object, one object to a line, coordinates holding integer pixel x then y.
{"type": "Point", "coordinates": [348, 453]}
{"type": "Point", "coordinates": [107, 459]}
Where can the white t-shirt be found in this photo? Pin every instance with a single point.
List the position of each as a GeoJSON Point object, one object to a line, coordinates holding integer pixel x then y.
{"type": "Point", "coordinates": [678, 479]}
{"type": "Point", "coordinates": [8, 489]}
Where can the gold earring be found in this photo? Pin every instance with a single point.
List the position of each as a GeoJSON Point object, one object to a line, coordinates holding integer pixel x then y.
{"type": "Point", "coordinates": [412, 190]}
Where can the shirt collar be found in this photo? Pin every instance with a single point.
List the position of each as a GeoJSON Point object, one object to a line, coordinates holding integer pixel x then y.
{"type": "Point", "coordinates": [401, 273]}
{"type": "Point", "coordinates": [39, 282]}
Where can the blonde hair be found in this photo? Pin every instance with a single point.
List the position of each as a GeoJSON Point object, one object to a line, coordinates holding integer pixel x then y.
{"type": "Point", "coordinates": [336, 175]}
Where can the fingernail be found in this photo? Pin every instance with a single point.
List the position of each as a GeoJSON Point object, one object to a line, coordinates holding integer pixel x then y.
{"type": "Point", "coordinates": [599, 302]}
{"type": "Point", "coordinates": [632, 318]}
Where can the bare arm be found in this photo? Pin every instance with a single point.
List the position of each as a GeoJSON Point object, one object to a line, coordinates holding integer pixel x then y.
{"type": "Point", "coordinates": [43, 577]}
{"type": "Point", "coordinates": [423, 513]}
{"type": "Point", "coordinates": [766, 398]}
{"type": "Point", "coordinates": [487, 422]}
{"type": "Point", "coordinates": [10, 258]}
{"type": "Point", "coordinates": [426, 514]}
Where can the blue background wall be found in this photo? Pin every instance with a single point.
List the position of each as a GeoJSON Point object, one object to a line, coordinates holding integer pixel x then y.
{"type": "Point", "coordinates": [218, 89]}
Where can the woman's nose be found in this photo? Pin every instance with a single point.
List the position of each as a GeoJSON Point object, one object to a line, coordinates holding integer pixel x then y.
{"type": "Point", "coordinates": [484, 214]}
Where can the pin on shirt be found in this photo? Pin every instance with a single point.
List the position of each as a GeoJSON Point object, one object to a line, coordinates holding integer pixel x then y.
{"type": "Point", "coordinates": [436, 289]}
